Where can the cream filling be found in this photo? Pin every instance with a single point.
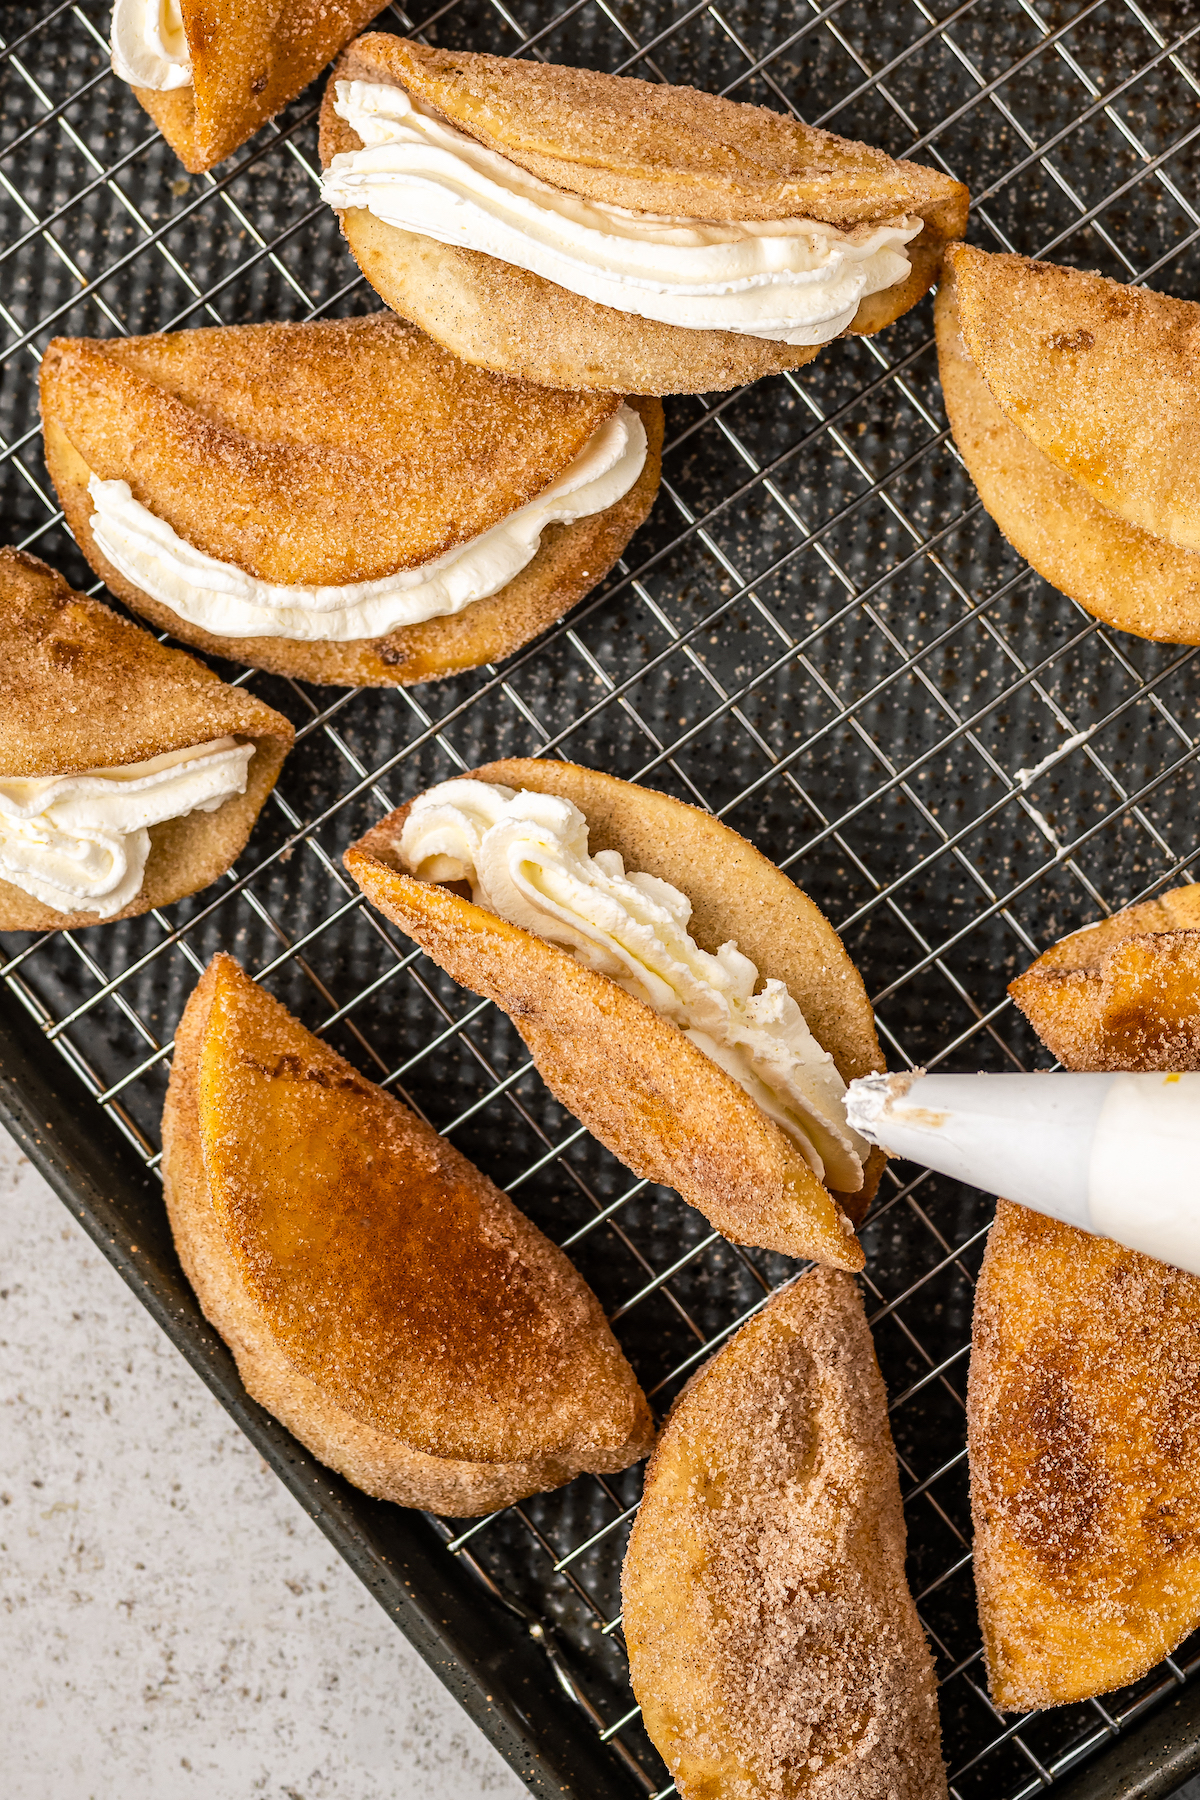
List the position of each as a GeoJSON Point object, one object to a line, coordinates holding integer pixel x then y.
{"type": "Point", "coordinates": [526, 857]}
{"type": "Point", "coordinates": [79, 843]}
{"type": "Point", "coordinates": [149, 44]}
{"type": "Point", "coordinates": [226, 601]}
{"type": "Point", "coordinates": [796, 281]}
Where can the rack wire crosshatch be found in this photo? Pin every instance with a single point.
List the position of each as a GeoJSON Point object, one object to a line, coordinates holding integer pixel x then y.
{"type": "Point", "coordinates": [819, 635]}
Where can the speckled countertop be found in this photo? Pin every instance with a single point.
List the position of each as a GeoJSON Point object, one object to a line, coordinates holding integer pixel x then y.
{"type": "Point", "coordinates": [173, 1624]}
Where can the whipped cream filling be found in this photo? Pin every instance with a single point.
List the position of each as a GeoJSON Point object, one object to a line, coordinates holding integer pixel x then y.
{"type": "Point", "coordinates": [149, 44]}
{"type": "Point", "coordinates": [225, 600]}
{"type": "Point", "coordinates": [79, 843]}
{"type": "Point", "coordinates": [795, 281]}
{"type": "Point", "coordinates": [526, 857]}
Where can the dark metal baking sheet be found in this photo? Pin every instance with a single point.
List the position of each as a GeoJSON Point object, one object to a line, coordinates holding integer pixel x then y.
{"type": "Point", "coordinates": [818, 633]}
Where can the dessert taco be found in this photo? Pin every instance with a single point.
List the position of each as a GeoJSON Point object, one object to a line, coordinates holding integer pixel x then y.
{"type": "Point", "coordinates": [597, 231]}
{"type": "Point", "coordinates": [130, 775]}
{"type": "Point", "coordinates": [342, 501]}
{"type": "Point", "coordinates": [211, 72]}
{"type": "Point", "coordinates": [626, 935]}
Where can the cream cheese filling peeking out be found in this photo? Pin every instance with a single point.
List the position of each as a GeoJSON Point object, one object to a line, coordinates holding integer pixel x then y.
{"type": "Point", "coordinates": [149, 45]}
{"type": "Point", "coordinates": [223, 599]}
{"type": "Point", "coordinates": [526, 857]}
{"type": "Point", "coordinates": [79, 843]}
{"type": "Point", "coordinates": [795, 281]}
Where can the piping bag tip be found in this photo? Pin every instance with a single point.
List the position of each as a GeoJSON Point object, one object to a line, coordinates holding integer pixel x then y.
{"type": "Point", "coordinates": [869, 1097]}
{"type": "Point", "coordinates": [1114, 1154]}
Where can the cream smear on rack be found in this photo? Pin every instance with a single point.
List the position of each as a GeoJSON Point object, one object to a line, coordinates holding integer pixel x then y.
{"type": "Point", "coordinates": [79, 843]}
{"type": "Point", "coordinates": [225, 600]}
{"type": "Point", "coordinates": [149, 44]}
{"type": "Point", "coordinates": [794, 281]}
{"type": "Point", "coordinates": [526, 857]}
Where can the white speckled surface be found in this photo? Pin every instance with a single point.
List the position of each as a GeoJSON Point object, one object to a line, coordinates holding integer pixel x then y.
{"type": "Point", "coordinates": [173, 1624]}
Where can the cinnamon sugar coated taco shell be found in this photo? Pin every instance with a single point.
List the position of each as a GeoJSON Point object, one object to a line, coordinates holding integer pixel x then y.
{"type": "Point", "coordinates": [633, 1078]}
{"type": "Point", "coordinates": [83, 689]}
{"type": "Point", "coordinates": [774, 1648]}
{"type": "Point", "coordinates": [1124, 994]}
{"type": "Point", "coordinates": [642, 146]}
{"type": "Point", "coordinates": [248, 62]}
{"type": "Point", "coordinates": [1084, 1392]}
{"type": "Point", "coordinates": [1073, 403]}
{"type": "Point", "coordinates": [382, 1299]}
{"type": "Point", "coordinates": [327, 454]}
{"type": "Point", "coordinates": [1102, 376]}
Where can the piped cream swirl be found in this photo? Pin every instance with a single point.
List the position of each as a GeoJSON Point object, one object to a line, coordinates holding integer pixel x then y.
{"type": "Point", "coordinates": [526, 857]}
{"type": "Point", "coordinates": [149, 45]}
{"type": "Point", "coordinates": [79, 843]}
{"type": "Point", "coordinates": [795, 281]}
{"type": "Point", "coordinates": [226, 601]}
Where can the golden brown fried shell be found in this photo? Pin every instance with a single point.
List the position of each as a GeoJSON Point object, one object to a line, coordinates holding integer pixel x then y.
{"type": "Point", "coordinates": [247, 63]}
{"type": "Point", "coordinates": [332, 453]}
{"type": "Point", "coordinates": [638, 145]}
{"type": "Point", "coordinates": [83, 689]}
{"type": "Point", "coordinates": [1084, 1434]}
{"type": "Point", "coordinates": [1124, 994]}
{"type": "Point", "coordinates": [632, 1077]}
{"type": "Point", "coordinates": [1103, 378]}
{"type": "Point", "coordinates": [1084, 1395]}
{"type": "Point", "coordinates": [381, 1297]}
{"type": "Point", "coordinates": [1120, 572]}
{"type": "Point", "coordinates": [773, 1644]}
{"type": "Point", "coordinates": [653, 148]}
{"type": "Point", "coordinates": [326, 453]}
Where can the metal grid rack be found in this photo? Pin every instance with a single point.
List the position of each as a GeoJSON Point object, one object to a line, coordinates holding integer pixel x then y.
{"type": "Point", "coordinates": [819, 634]}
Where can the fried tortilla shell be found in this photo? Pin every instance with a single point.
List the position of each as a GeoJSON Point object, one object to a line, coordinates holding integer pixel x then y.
{"type": "Point", "coordinates": [652, 148]}
{"type": "Point", "coordinates": [769, 1623]}
{"type": "Point", "coordinates": [1103, 378]}
{"type": "Point", "coordinates": [1084, 1393]}
{"type": "Point", "coordinates": [331, 453]}
{"type": "Point", "coordinates": [383, 1300]}
{"type": "Point", "coordinates": [83, 689]}
{"type": "Point", "coordinates": [633, 1078]}
{"type": "Point", "coordinates": [248, 62]}
{"type": "Point", "coordinates": [642, 146]}
{"type": "Point", "coordinates": [1118, 572]}
{"type": "Point", "coordinates": [1084, 1438]}
{"type": "Point", "coordinates": [1124, 994]}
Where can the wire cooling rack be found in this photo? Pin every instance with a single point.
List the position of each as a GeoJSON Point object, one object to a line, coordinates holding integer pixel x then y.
{"type": "Point", "coordinates": [819, 634]}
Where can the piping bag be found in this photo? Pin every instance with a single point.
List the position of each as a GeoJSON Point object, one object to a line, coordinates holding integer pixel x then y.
{"type": "Point", "coordinates": [1118, 1155]}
